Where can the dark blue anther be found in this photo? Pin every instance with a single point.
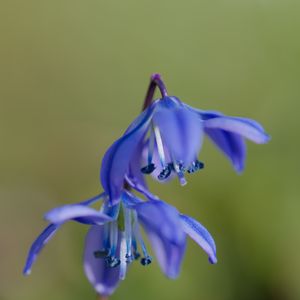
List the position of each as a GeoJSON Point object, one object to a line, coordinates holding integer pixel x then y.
{"type": "Point", "coordinates": [182, 168]}
{"type": "Point", "coordinates": [171, 166]}
{"type": "Point", "coordinates": [129, 258]}
{"type": "Point", "coordinates": [146, 261]}
{"type": "Point", "coordinates": [136, 255]}
{"type": "Point", "coordinates": [199, 164]}
{"type": "Point", "coordinates": [148, 169]}
{"type": "Point", "coordinates": [101, 253]}
{"type": "Point", "coordinates": [196, 166]}
{"type": "Point", "coordinates": [165, 173]}
{"type": "Point", "coordinates": [113, 262]}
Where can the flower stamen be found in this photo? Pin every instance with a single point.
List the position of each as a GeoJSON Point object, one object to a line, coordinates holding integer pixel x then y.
{"type": "Point", "coordinates": [123, 262]}
{"type": "Point", "coordinates": [136, 254]}
{"type": "Point", "coordinates": [166, 172]}
{"type": "Point", "coordinates": [160, 147]}
{"type": "Point", "coordinates": [113, 236]}
{"type": "Point", "coordinates": [180, 170]}
{"type": "Point", "coordinates": [146, 260]}
{"type": "Point", "coordinates": [148, 169]}
{"type": "Point", "coordinates": [196, 166]}
{"type": "Point", "coordinates": [113, 262]}
{"type": "Point", "coordinates": [128, 234]}
{"type": "Point", "coordinates": [101, 253]}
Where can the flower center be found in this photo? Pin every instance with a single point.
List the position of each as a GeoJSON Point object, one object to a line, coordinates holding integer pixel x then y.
{"type": "Point", "coordinates": [167, 162]}
{"type": "Point", "coordinates": [121, 239]}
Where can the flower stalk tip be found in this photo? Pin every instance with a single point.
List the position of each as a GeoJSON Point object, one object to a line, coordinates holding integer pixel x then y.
{"type": "Point", "coordinates": [155, 81]}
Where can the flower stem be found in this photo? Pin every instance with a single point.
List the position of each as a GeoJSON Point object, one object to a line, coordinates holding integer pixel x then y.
{"type": "Point", "coordinates": [99, 297]}
{"type": "Point", "coordinates": [155, 81]}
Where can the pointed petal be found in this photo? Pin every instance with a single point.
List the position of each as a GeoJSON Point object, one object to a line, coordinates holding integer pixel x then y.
{"type": "Point", "coordinates": [247, 128]}
{"type": "Point", "coordinates": [103, 278]}
{"type": "Point", "coordinates": [93, 199]}
{"type": "Point", "coordinates": [200, 235]}
{"type": "Point", "coordinates": [46, 235]}
{"type": "Point", "coordinates": [116, 160]}
{"type": "Point", "coordinates": [76, 212]}
{"type": "Point", "coordinates": [38, 245]}
{"type": "Point", "coordinates": [181, 129]}
{"type": "Point", "coordinates": [231, 144]}
{"type": "Point", "coordinates": [163, 227]}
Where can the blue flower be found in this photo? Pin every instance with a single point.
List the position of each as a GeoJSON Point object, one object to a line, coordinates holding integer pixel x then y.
{"type": "Point", "coordinates": [79, 212]}
{"type": "Point", "coordinates": [165, 140]}
{"type": "Point", "coordinates": [114, 239]}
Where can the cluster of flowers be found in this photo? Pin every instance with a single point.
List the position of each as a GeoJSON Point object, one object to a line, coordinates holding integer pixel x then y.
{"type": "Point", "coordinates": [164, 141]}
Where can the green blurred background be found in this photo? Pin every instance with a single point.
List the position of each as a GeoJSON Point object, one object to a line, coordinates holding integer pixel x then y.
{"type": "Point", "coordinates": [73, 75]}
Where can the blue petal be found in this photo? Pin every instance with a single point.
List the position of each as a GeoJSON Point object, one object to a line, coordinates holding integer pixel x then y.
{"type": "Point", "coordinates": [130, 200]}
{"type": "Point", "coordinates": [181, 129]}
{"type": "Point", "coordinates": [103, 278]}
{"type": "Point", "coordinates": [135, 164]}
{"type": "Point", "coordinates": [200, 235]}
{"type": "Point", "coordinates": [231, 144]}
{"type": "Point", "coordinates": [38, 245]}
{"type": "Point", "coordinates": [93, 199]}
{"type": "Point", "coordinates": [111, 210]}
{"type": "Point", "coordinates": [116, 160]}
{"type": "Point", "coordinates": [133, 183]}
{"type": "Point", "coordinates": [247, 128]}
{"type": "Point", "coordinates": [164, 230]}
{"type": "Point", "coordinates": [76, 212]}
{"type": "Point", "coordinates": [47, 234]}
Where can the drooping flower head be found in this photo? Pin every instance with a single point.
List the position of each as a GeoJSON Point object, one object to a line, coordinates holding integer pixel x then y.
{"type": "Point", "coordinates": [166, 138]}
{"type": "Point", "coordinates": [114, 239]}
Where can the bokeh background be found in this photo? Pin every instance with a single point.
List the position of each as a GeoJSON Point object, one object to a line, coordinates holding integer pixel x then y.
{"type": "Point", "coordinates": [73, 75]}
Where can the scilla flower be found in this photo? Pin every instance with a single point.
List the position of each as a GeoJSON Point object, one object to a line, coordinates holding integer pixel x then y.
{"type": "Point", "coordinates": [114, 239]}
{"type": "Point", "coordinates": [170, 134]}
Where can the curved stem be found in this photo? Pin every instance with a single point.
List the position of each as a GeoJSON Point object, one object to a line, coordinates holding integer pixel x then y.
{"type": "Point", "coordinates": [155, 81]}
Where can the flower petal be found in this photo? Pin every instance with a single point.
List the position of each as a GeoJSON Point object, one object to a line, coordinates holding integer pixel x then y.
{"type": "Point", "coordinates": [163, 227]}
{"type": "Point", "coordinates": [77, 212]}
{"type": "Point", "coordinates": [116, 160]}
{"type": "Point", "coordinates": [134, 172]}
{"type": "Point", "coordinates": [247, 128]}
{"type": "Point", "coordinates": [133, 183]}
{"type": "Point", "coordinates": [38, 245]}
{"type": "Point", "coordinates": [48, 233]}
{"type": "Point", "coordinates": [93, 199]}
{"type": "Point", "coordinates": [180, 128]}
{"type": "Point", "coordinates": [130, 200]}
{"type": "Point", "coordinates": [103, 278]}
{"type": "Point", "coordinates": [231, 144]}
{"type": "Point", "coordinates": [200, 235]}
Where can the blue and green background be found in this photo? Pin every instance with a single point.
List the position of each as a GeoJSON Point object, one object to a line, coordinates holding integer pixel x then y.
{"type": "Point", "coordinates": [73, 75]}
